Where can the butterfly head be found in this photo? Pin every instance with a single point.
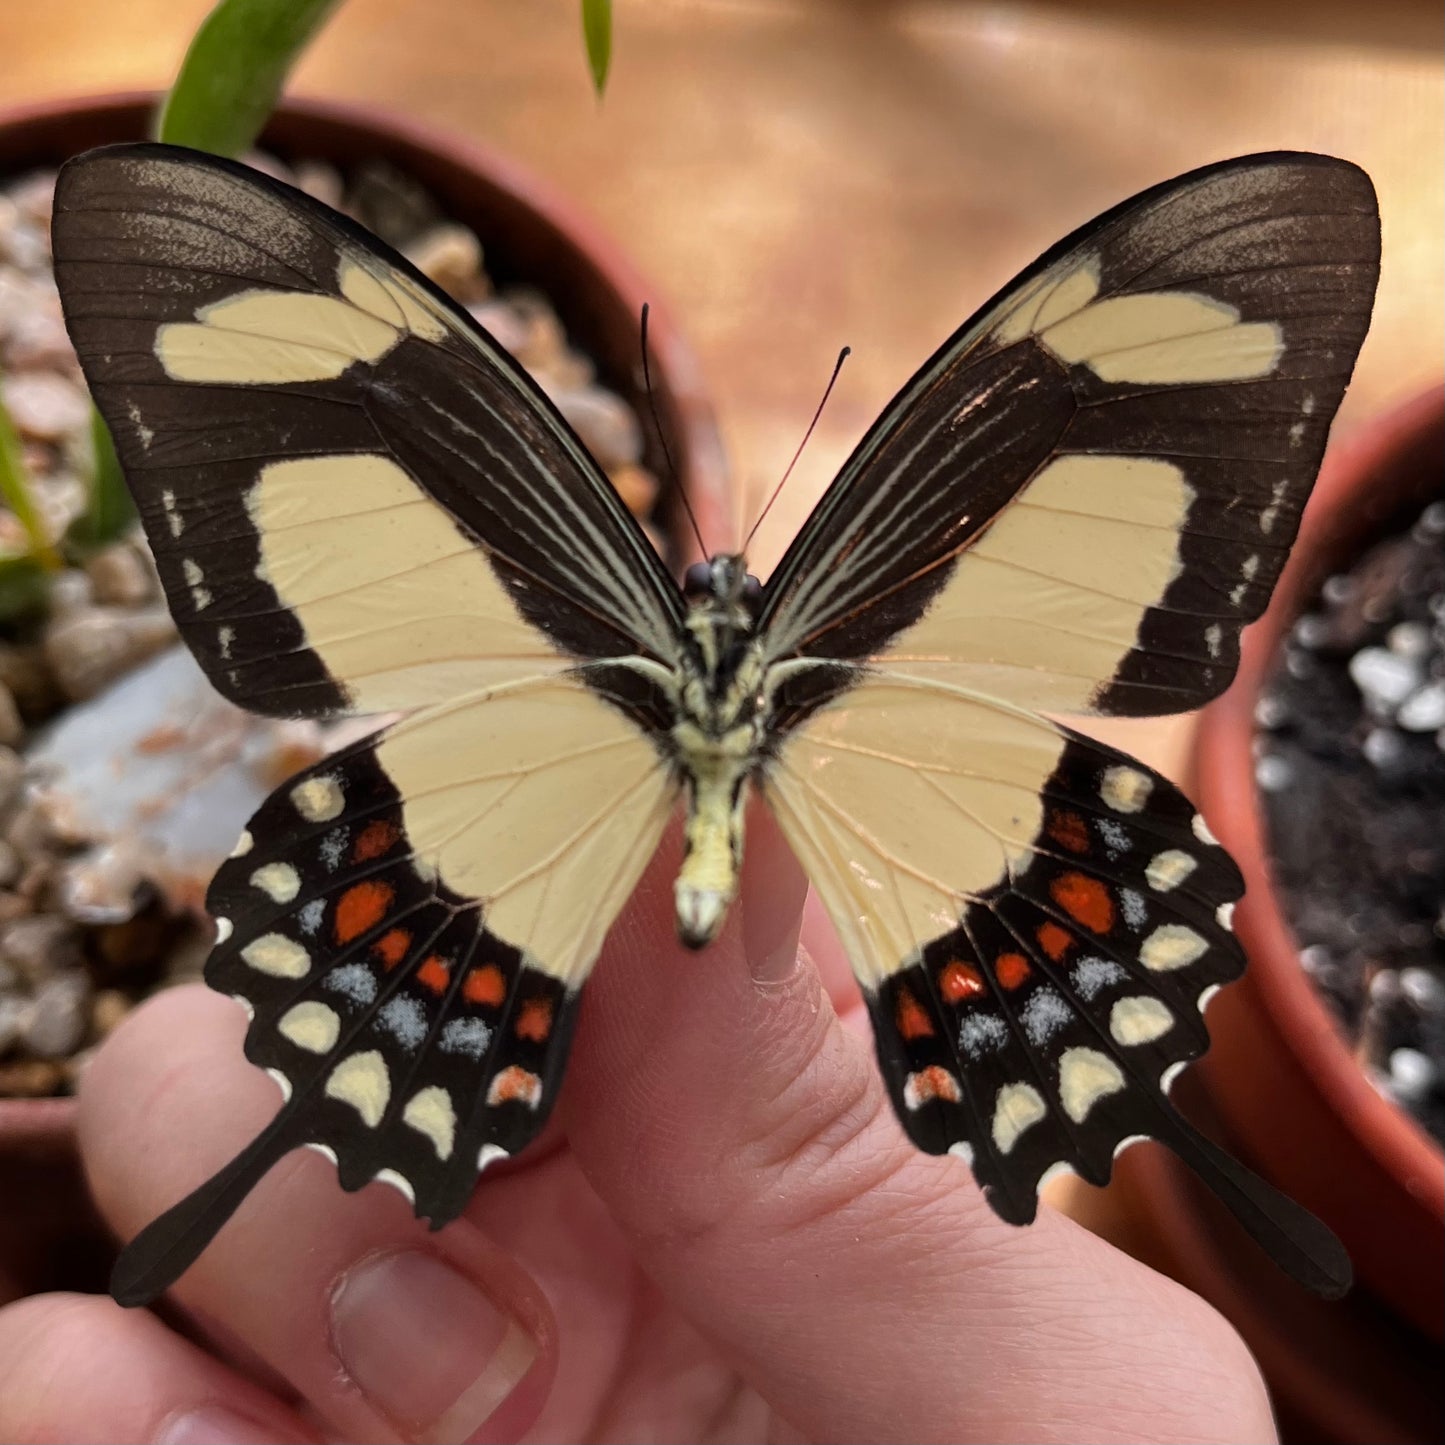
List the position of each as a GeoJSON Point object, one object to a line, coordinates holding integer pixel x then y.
{"type": "Point", "coordinates": [723, 583]}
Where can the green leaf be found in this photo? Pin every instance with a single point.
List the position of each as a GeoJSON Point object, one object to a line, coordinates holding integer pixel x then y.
{"type": "Point", "coordinates": [24, 588]}
{"type": "Point", "coordinates": [597, 33]}
{"type": "Point", "coordinates": [233, 73]}
{"type": "Point", "coordinates": [15, 493]}
{"type": "Point", "coordinates": [109, 510]}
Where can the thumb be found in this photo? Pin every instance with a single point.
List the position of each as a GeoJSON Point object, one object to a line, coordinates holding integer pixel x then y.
{"type": "Point", "coordinates": [743, 1140]}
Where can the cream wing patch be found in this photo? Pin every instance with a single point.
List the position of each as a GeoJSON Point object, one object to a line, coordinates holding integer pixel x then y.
{"type": "Point", "coordinates": [1152, 338]}
{"type": "Point", "coordinates": [275, 338]}
{"type": "Point", "coordinates": [396, 601]}
{"type": "Point", "coordinates": [542, 801]}
{"type": "Point", "coordinates": [900, 826]}
{"type": "Point", "coordinates": [1045, 604]}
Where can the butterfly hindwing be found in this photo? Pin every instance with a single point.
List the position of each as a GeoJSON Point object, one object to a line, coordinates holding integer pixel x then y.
{"type": "Point", "coordinates": [416, 1031]}
{"type": "Point", "coordinates": [1078, 503]}
{"type": "Point", "coordinates": [357, 501]}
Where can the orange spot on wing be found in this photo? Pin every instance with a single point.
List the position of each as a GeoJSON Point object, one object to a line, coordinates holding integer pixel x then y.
{"type": "Point", "coordinates": [391, 947]}
{"type": "Point", "coordinates": [1053, 940]}
{"type": "Point", "coordinates": [362, 906]}
{"type": "Point", "coordinates": [1085, 900]}
{"type": "Point", "coordinates": [913, 1022]}
{"type": "Point", "coordinates": [485, 985]}
{"type": "Point", "coordinates": [1069, 831]}
{"type": "Point", "coordinates": [374, 840]}
{"type": "Point", "coordinates": [934, 1082]}
{"type": "Point", "coordinates": [1011, 969]}
{"type": "Point", "coordinates": [515, 1084]}
{"type": "Point", "coordinates": [434, 975]}
{"type": "Point", "coordinates": [535, 1020]}
{"type": "Point", "coordinates": [960, 981]}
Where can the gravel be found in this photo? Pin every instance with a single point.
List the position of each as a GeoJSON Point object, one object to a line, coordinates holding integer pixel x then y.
{"type": "Point", "coordinates": [1350, 759]}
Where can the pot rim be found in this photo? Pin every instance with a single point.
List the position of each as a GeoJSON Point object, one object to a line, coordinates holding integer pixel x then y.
{"type": "Point", "coordinates": [39, 1125]}
{"type": "Point", "coordinates": [1223, 780]}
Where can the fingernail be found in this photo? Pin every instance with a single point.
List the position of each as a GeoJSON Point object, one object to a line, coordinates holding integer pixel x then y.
{"type": "Point", "coordinates": [772, 906]}
{"type": "Point", "coordinates": [217, 1425]}
{"type": "Point", "coordinates": [426, 1346]}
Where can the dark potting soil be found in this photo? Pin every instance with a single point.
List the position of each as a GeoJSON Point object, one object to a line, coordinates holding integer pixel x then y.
{"type": "Point", "coordinates": [1350, 762]}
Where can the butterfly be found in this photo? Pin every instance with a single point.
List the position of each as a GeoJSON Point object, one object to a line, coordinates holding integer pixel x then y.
{"type": "Point", "coordinates": [360, 504]}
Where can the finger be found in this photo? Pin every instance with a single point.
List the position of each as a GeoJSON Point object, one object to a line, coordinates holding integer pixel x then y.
{"type": "Point", "coordinates": [78, 1367]}
{"type": "Point", "coordinates": [389, 1331]}
{"type": "Point", "coordinates": [743, 1140]}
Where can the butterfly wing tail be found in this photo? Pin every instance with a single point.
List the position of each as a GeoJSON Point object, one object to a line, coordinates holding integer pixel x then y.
{"type": "Point", "coordinates": [168, 1246]}
{"type": "Point", "coordinates": [1300, 1244]}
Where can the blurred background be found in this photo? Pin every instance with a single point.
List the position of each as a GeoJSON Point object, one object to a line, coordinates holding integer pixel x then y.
{"type": "Point", "coordinates": [792, 176]}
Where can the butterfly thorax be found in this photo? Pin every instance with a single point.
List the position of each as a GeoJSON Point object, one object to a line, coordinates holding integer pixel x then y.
{"type": "Point", "coordinates": [717, 738]}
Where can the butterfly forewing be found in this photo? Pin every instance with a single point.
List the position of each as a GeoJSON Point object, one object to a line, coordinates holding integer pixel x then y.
{"type": "Point", "coordinates": [357, 501]}
{"type": "Point", "coordinates": [1091, 488]}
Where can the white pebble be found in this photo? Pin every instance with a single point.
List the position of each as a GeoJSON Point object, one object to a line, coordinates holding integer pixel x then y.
{"type": "Point", "coordinates": [1411, 1073]}
{"type": "Point", "coordinates": [1384, 678]}
{"type": "Point", "coordinates": [1383, 747]}
{"type": "Point", "coordinates": [1273, 774]}
{"type": "Point", "coordinates": [1409, 639]}
{"type": "Point", "coordinates": [1423, 988]}
{"type": "Point", "coordinates": [1424, 710]}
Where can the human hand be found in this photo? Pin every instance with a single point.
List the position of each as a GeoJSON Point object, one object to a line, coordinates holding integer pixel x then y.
{"type": "Point", "coordinates": [724, 1235]}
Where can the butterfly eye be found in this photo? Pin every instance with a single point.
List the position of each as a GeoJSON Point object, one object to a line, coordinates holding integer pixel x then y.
{"type": "Point", "coordinates": [697, 581]}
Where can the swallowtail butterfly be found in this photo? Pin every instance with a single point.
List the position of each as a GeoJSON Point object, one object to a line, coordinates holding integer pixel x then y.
{"type": "Point", "coordinates": [360, 504]}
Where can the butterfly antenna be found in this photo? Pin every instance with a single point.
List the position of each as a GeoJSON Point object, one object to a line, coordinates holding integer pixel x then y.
{"type": "Point", "coordinates": [677, 486]}
{"type": "Point", "coordinates": [843, 355]}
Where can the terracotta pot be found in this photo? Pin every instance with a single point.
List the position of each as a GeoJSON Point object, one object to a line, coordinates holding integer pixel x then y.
{"type": "Point", "coordinates": [1280, 1087]}
{"type": "Point", "coordinates": [530, 234]}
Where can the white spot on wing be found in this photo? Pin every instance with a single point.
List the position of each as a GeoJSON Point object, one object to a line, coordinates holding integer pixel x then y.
{"type": "Point", "coordinates": [399, 1182]}
{"type": "Point", "coordinates": [277, 955]}
{"type": "Point", "coordinates": [1206, 995]}
{"type": "Point", "coordinates": [319, 799]}
{"type": "Point", "coordinates": [280, 882]}
{"type": "Point", "coordinates": [1125, 789]}
{"type": "Point", "coordinates": [1201, 830]}
{"type": "Point", "coordinates": [1139, 1019]}
{"type": "Point", "coordinates": [963, 1150]}
{"type": "Point", "coordinates": [1085, 1077]}
{"type": "Point", "coordinates": [430, 1112]}
{"type": "Point", "coordinates": [310, 915]}
{"type": "Point", "coordinates": [363, 1082]}
{"type": "Point", "coordinates": [1169, 869]}
{"type": "Point", "coordinates": [1171, 946]}
{"type": "Point", "coordinates": [1018, 1107]}
{"type": "Point", "coordinates": [1214, 638]}
{"type": "Point", "coordinates": [174, 520]}
{"type": "Point", "coordinates": [1224, 916]}
{"type": "Point", "coordinates": [243, 846]}
{"type": "Point", "coordinates": [1166, 1079]}
{"type": "Point", "coordinates": [224, 929]}
{"type": "Point", "coordinates": [310, 1026]}
{"type": "Point", "coordinates": [489, 1154]}
{"type": "Point", "coordinates": [282, 1083]}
